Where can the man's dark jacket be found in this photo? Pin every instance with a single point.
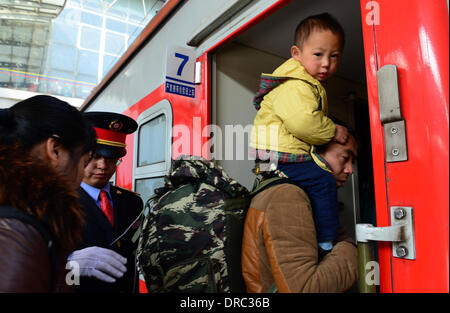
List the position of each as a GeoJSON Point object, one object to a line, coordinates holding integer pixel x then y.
{"type": "Point", "coordinates": [99, 232]}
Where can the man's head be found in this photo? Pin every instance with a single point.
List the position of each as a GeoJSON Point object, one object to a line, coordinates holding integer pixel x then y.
{"type": "Point", "coordinates": [341, 158]}
{"type": "Point", "coordinates": [319, 42]}
{"type": "Point", "coordinates": [111, 129]}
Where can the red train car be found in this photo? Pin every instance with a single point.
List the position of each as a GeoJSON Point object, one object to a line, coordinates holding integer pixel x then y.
{"type": "Point", "coordinates": [392, 87]}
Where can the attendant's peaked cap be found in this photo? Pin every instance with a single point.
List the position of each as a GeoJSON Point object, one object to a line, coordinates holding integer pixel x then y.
{"type": "Point", "coordinates": [111, 129]}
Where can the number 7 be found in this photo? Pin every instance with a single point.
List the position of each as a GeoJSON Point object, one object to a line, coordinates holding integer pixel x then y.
{"type": "Point", "coordinates": [183, 63]}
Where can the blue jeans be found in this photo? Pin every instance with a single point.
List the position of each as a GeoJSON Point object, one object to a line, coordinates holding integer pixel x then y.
{"type": "Point", "coordinates": [321, 189]}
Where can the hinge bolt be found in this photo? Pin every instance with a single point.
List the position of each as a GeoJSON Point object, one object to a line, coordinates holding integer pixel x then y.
{"type": "Point", "coordinates": [401, 251]}
{"type": "Point", "coordinates": [399, 213]}
{"type": "Point", "coordinates": [394, 130]}
{"type": "Point", "coordinates": [395, 151]}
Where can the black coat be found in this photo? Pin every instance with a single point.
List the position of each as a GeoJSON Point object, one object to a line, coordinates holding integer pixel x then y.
{"type": "Point", "coordinates": [99, 232]}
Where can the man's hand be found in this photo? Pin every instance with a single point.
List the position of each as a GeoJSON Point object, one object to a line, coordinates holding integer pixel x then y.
{"type": "Point", "coordinates": [341, 134]}
{"type": "Point", "coordinates": [103, 264]}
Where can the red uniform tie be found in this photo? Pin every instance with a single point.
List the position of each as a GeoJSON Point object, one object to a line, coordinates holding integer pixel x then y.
{"type": "Point", "coordinates": [106, 206]}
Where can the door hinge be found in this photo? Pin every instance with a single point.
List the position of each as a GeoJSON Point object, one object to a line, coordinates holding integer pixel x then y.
{"type": "Point", "coordinates": [390, 114]}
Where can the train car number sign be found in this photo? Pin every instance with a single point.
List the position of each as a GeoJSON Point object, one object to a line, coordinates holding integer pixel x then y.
{"type": "Point", "coordinates": [180, 71]}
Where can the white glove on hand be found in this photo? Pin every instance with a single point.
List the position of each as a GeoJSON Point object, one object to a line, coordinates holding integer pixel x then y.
{"type": "Point", "coordinates": [103, 264]}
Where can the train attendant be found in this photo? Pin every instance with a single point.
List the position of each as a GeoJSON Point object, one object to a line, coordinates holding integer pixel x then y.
{"type": "Point", "coordinates": [106, 263]}
{"type": "Point", "coordinates": [44, 146]}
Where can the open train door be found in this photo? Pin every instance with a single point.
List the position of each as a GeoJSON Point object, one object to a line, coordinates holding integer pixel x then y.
{"type": "Point", "coordinates": [406, 45]}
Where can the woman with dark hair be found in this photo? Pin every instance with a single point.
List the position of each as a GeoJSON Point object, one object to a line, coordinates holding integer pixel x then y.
{"type": "Point", "coordinates": [44, 146]}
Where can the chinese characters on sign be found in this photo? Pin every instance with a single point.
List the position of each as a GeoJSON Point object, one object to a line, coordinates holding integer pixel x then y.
{"type": "Point", "coordinates": [180, 71]}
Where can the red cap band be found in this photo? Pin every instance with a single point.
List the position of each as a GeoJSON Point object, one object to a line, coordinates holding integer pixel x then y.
{"type": "Point", "coordinates": [111, 138]}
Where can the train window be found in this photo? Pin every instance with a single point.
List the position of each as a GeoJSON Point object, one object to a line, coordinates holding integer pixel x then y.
{"type": "Point", "coordinates": [153, 132]}
{"type": "Point", "coordinates": [152, 149]}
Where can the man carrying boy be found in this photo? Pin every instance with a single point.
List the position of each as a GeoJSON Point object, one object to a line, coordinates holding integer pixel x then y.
{"type": "Point", "coordinates": [292, 119]}
{"type": "Point", "coordinates": [279, 246]}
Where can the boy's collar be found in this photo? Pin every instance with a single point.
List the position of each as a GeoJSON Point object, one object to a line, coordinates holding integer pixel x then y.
{"type": "Point", "coordinates": [294, 69]}
{"type": "Point", "coordinates": [306, 75]}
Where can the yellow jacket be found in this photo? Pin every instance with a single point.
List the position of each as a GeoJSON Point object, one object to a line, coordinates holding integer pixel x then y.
{"type": "Point", "coordinates": [293, 115]}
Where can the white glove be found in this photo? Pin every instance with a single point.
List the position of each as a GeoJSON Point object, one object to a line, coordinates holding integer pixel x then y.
{"type": "Point", "coordinates": [103, 264]}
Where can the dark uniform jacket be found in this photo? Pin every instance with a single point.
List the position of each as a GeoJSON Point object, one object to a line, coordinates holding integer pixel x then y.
{"type": "Point", "coordinates": [99, 232]}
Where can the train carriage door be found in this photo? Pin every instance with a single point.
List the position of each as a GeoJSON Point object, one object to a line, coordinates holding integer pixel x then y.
{"type": "Point", "coordinates": [236, 66]}
{"type": "Point", "coordinates": [406, 49]}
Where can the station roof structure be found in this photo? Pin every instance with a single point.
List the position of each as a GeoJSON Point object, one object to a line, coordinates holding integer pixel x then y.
{"type": "Point", "coordinates": [65, 47]}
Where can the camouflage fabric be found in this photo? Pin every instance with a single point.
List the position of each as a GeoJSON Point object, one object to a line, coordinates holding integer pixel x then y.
{"type": "Point", "coordinates": [191, 240]}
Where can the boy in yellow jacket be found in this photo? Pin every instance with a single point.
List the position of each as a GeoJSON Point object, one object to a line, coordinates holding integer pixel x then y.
{"type": "Point", "coordinates": [292, 119]}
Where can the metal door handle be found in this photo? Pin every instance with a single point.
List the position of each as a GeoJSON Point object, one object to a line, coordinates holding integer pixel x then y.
{"type": "Point", "coordinates": [400, 233]}
{"type": "Point", "coordinates": [367, 232]}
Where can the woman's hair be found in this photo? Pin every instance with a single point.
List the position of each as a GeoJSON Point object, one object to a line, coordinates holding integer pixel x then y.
{"type": "Point", "coordinates": [33, 185]}
{"type": "Point", "coordinates": [324, 21]}
{"type": "Point", "coordinates": [34, 120]}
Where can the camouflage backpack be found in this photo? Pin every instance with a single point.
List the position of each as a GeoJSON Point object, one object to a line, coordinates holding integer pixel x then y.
{"type": "Point", "coordinates": [191, 239]}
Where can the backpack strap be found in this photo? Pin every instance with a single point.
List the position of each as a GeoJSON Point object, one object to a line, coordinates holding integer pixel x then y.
{"type": "Point", "coordinates": [267, 183]}
{"type": "Point", "coordinates": [10, 212]}
{"type": "Point", "coordinates": [148, 208]}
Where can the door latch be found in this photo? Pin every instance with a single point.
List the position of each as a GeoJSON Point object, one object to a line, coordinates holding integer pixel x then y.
{"type": "Point", "coordinates": [400, 233]}
{"type": "Point", "coordinates": [390, 114]}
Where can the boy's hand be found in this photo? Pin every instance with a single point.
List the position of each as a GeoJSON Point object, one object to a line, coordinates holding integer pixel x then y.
{"type": "Point", "coordinates": [341, 134]}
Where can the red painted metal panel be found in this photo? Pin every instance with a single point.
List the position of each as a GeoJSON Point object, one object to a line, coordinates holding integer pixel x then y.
{"type": "Point", "coordinates": [414, 36]}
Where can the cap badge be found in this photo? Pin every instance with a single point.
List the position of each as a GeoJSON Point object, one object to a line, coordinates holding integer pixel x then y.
{"type": "Point", "coordinates": [116, 125]}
